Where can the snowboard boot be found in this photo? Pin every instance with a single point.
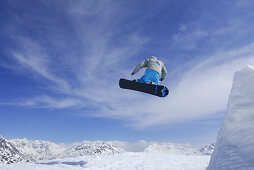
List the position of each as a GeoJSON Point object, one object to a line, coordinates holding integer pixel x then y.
{"type": "Point", "coordinates": [151, 82]}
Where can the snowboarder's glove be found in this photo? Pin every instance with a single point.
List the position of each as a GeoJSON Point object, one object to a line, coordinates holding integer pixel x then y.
{"type": "Point", "coordinates": [161, 79]}
{"type": "Point", "coordinates": [132, 73]}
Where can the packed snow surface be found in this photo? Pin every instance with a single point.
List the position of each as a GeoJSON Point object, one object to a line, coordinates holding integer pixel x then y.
{"type": "Point", "coordinates": [234, 148]}
{"type": "Point", "coordinates": [125, 161]}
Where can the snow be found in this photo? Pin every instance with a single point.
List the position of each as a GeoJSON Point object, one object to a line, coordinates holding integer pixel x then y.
{"type": "Point", "coordinates": [10, 154]}
{"type": "Point", "coordinates": [92, 148]}
{"type": "Point", "coordinates": [170, 148]}
{"type": "Point", "coordinates": [125, 161]}
{"type": "Point", "coordinates": [45, 150]}
{"type": "Point", "coordinates": [179, 149]}
{"type": "Point", "coordinates": [38, 149]}
{"type": "Point", "coordinates": [102, 155]}
{"type": "Point", "coordinates": [235, 142]}
{"type": "Point", "coordinates": [207, 149]}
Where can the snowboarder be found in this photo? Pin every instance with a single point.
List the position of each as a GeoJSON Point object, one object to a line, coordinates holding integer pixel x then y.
{"type": "Point", "coordinates": [154, 68]}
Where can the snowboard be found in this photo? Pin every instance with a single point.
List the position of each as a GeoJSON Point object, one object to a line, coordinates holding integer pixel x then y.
{"type": "Point", "coordinates": [157, 90]}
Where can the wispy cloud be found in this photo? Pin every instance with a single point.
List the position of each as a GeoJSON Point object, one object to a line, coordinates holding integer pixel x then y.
{"type": "Point", "coordinates": [92, 80]}
{"type": "Point", "coordinates": [49, 102]}
{"type": "Point", "coordinates": [36, 60]}
{"type": "Point", "coordinates": [216, 27]}
{"type": "Point", "coordinates": [188, 41]}
{"type": "Point", "coordinates": [202, 91]}
{"type": "Point", "coordinates": [96, 71]}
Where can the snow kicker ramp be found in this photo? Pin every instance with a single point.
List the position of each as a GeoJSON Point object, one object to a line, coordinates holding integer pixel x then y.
{"type": "Point", "coordinates": [234, 149]}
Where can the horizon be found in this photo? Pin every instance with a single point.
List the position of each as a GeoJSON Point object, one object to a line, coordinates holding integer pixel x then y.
{"type": "Point", "coordinates": [138, 146]}
{"type": "Point", "coordinates": [61, 63]}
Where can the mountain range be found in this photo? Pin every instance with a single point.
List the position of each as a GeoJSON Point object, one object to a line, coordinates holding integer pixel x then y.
{"type": "Point", "coordinates": [24, 150]}
{"type": "Point", "coordinates": [10, 154]}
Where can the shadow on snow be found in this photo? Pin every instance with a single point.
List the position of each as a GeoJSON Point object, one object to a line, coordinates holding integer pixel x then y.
{"type": "Point", "coordinates": [80, 163]}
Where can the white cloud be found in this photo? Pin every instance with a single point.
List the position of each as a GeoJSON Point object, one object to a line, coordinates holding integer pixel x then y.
{"type": "Point", "coordinates": [202, 90]}
{"type": "Point", "coordinates": [96, 71]}
{"type": "Point", "coordinates": [35, 59]}
{"type": "Point", "coordinates": [133, 146]}
{"type": "Point", "coordinates": [50, 102]}
{"type": "Point", "coordinates": [188, 40]}
{"type": "Point", "coordinates": [182, 28]}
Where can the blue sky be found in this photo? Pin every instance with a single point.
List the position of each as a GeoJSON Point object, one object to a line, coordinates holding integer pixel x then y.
{"type": "Point", "coordinates": [61, 62]}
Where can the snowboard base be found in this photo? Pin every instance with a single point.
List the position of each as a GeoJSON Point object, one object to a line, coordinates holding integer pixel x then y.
{"type": "Point", "coordinates": [157, 90]}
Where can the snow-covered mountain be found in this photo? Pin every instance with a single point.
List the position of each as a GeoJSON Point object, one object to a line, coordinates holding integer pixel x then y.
{"type": "Point", "coordinates": [20, 150]}
{"type": "Point", "coordinates": [39, 149]}
{"type": "Point", "coordinates": [179, 149]}
{"type": "Point", "coordinates": [170, 148]}
{"type": "Point", "coordinates": [234, 147]}
{"type": "Point", "coordinates": [10, 154]}
{"type": "Point", "coordinates": [92, 148]}
{"type": "Point", "coordinates": [207, 149]}
{"type": "Point", "coordinates": [45, 150]}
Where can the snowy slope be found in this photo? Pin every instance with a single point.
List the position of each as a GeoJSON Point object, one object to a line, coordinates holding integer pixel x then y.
{"type": "Point", "coordinates": [92, 148]}
{"type": "Point", "coordinates": [38, 149]}
{"type": "Point", "coordinates": [234, 148]}
{"type": "Point", "coordinates": [125, 161]}
{"type": "Point", "coordinates": [10, 154]}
